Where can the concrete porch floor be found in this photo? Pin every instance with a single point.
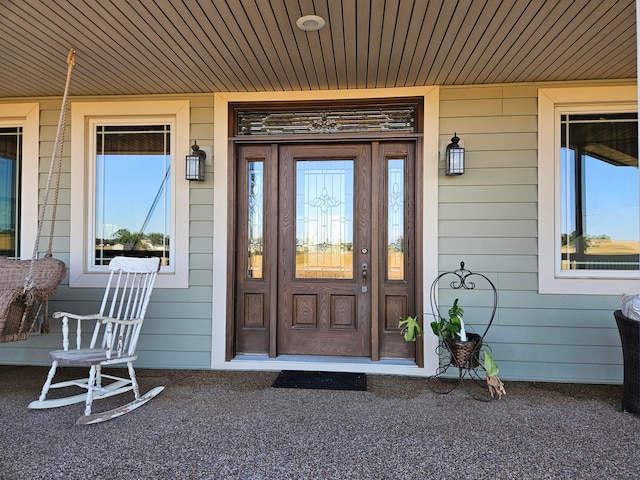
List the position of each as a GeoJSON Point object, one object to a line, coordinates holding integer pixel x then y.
{"type": "Point", "coordinates": [234, 425]}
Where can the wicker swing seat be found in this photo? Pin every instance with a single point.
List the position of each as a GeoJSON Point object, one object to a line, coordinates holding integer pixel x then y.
{"type": "Point", "coordinates": [19, 307]}
{"type": "Point", "coordinates": [26, 285]}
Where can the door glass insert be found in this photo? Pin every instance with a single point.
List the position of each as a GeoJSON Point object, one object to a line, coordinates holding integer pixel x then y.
{"type": "Point", "coordinates": [324, 219]}
{"type": "Point", "coordinates": [395, 219]}
{"type": "Point", "coordinates": [255, 217]}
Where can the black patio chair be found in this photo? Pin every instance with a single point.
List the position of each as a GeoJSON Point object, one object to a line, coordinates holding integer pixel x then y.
{"type": "Point", "coordinates": [629, 330]}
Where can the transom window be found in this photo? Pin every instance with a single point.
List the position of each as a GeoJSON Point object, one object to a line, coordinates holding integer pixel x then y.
{"type": "Point", "coordinates": [326, 118]}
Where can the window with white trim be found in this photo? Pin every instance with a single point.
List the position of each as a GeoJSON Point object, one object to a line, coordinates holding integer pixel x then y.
{"type": "Point", "coordinates": [126, 188]}
{"type": "Point", "coordinates": [589, 214]}
{"type": "Point", "coordinates": [132, 159]}
{"type": "Point", "coordinates": [19, 139]}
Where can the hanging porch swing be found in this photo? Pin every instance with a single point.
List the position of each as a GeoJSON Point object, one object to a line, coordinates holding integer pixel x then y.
{"type": "Point", "coordinates": [26, 285]}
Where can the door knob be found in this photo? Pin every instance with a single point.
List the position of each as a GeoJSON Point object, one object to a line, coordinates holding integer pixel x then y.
{"type": "Point", "coordinates": [365, 268]}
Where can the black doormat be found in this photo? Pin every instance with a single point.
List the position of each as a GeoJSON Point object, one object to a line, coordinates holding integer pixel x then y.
{"type": "Point", "coordinates": [321, 380]}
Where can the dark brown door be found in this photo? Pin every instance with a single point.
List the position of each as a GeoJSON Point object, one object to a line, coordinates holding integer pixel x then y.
{"type": "Point", "coordinates": [325, 243]}
{"type": "Point", "coordinates": [325, 248]}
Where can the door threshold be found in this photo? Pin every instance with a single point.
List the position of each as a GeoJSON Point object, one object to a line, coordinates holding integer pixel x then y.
{"type": "Point", "coordinates": [405, 362]}
{"type": "Point", "coordinates": [386, 366]}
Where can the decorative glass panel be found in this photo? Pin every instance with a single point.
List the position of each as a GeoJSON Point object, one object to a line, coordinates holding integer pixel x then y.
{"type": "Point", "coordinates": [255, 219]}
{"type": "Point", "coordinates": [600, 218]}
{"type": "Point", "coordinates": [133, 185]}
{"type": "Point", "coordinates": [324, 218]}
{"type": "Point", "coordinates": [10, 162]}
{"type": "Point", "coordinates": [391, 119]}
{"type": "Point", "coordinates": [395, 219]}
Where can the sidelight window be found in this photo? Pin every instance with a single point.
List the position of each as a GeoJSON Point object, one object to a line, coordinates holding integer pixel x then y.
{"type": "Point", "coordinates": [255, 220]}
{"type": "Point", "coordinates": [395, 219]}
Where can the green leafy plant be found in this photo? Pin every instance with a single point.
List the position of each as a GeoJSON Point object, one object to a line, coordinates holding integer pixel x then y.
{"type": "Point", "coordinates": [452, 326]}
{"type": "Point", "coordinates": [452, 329]}
{"type": "Point", "coordinates": [410, 328]}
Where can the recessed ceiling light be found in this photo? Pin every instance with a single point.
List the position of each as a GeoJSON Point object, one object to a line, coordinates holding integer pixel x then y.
{"type": "Point", "coordinates": [310, 23]}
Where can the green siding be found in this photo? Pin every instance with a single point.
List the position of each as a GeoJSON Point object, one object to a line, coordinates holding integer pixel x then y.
{"type": "Point", "coordinates": [488, 219]}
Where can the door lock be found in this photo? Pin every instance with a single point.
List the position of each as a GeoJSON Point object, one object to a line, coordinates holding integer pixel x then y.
{"type": "Point", "coordinates": [365, 267]}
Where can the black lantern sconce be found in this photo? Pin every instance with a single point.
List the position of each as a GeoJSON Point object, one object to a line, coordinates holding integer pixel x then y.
{"type": "Point", "coordinates": [195, 163]}
{"type": "Point", "coordinates": [455, 157]}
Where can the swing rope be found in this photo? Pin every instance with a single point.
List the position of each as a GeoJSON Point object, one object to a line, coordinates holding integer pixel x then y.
{"type": "Point", "coordinates": [25, 286]}
{"type": "Point", "coordinates": [56, 162]}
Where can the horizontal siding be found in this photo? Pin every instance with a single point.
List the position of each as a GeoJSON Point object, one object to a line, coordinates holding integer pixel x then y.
{"type": "Point", "coordinates": [504, 125]}
{"type": "Point", "coordinates": [451, 192]}
{"type": "Point", "coordinates": [562, 338]}
{"type": "Point", "coordinates": [521, 317]}
{"type": "Point", "coordinates": [498, 211]}
{"type": "Point", "coordinates": [565, 371]}
{"type": "Point", "coordinates": [497, 176]}
{"type": "Point", "coordinates": [186, 359]}
{"type": "Point", "coordinates": [491, 246]}
{"type": "Point", "coordinates": [488, 228]}
{"type": "Point", "coordinates": [201, 213]}
{"type": "Point", "coordinates": [488, 219]}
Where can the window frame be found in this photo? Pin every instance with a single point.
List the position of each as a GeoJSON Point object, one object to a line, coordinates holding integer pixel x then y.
{"type": "Point", "coordinates": [84, 117]}
{"type": "Point", "coordinates": [27, 116]}
{"type": "Point", "coordinates": [552, 102]}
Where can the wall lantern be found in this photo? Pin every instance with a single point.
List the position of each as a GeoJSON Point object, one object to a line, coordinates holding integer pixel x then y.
{"type": "Point", "coordinates": [455, 157]}
{"type": "Point", "coordinates": [195, 163]}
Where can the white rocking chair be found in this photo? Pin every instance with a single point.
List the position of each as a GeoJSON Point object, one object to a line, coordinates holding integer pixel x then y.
{"type": "Point", "coordinates": [121, 314]}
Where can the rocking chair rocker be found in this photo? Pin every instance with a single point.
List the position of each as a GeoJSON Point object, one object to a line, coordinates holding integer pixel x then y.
{"type": "Point", "coordinates": [121, 314]}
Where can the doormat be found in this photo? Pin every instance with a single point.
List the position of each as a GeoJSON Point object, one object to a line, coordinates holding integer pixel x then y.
{"type": "Point", "coordinates": [321, 380]}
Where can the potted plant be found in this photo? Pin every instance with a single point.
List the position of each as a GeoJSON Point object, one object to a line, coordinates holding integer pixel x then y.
{"type": "Point", "coordinates": [468, 350]}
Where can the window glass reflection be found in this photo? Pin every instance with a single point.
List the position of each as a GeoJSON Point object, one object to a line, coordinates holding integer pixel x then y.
{"type": "Point", "coordinates": [132, 192]}
{"type": "Point", "coordinates": [600, 218]}
{"type": "Point", "coordinates": [10, 162]}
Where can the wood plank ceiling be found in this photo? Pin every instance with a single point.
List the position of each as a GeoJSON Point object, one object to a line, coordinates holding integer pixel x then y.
{"type": "Point", "coordinates": [182, 46]}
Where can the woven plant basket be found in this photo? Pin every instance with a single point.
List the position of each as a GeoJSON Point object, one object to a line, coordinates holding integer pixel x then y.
{"type": "Point", "coordinates": [465, 354]}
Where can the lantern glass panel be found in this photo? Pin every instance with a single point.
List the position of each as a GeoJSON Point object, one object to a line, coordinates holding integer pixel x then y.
{"type": "Point", "coordinates": [455, 161]}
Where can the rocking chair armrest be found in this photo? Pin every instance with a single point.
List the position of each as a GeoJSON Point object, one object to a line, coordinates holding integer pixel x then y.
{"type": "Point", "coordinates": [75, 316]}
{"type": "Point", "coordinates": [133, 321]}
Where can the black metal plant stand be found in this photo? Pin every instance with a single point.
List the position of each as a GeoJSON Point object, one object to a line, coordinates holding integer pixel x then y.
{"type": "Point", "coordinates": [465, 356]}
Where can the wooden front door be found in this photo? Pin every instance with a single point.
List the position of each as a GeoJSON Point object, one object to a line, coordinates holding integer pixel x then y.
{"type": "Point", "coordinates": [325, 257]}
{"type": "Point", "coordinates": [325, 235]}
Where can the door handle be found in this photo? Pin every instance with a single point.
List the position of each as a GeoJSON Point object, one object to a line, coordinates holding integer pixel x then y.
{"type": "Point", "coordinates": [365, 267]}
